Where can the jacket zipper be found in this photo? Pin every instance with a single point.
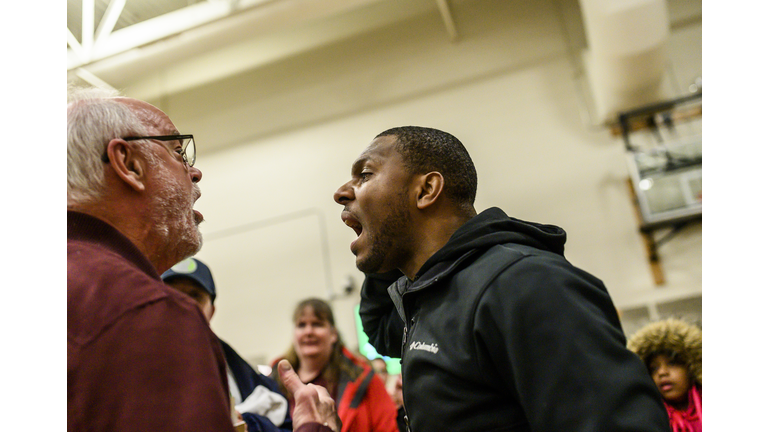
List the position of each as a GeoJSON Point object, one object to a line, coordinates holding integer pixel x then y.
{"type": "Point", "coordinates": [402, 354]}
{"type": "Point", "coordinates": [406, 329]}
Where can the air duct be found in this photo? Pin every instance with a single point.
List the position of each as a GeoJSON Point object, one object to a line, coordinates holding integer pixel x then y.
{"type": "Point", "coordinates": [626, 53]}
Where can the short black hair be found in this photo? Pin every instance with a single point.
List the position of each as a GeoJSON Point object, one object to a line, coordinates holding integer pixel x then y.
{"type": "Point", "coordinates": [425, 149]}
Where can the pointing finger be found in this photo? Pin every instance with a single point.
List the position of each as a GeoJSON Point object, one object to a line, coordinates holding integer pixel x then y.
{"type": "Point", "coordinates": [289, 377]}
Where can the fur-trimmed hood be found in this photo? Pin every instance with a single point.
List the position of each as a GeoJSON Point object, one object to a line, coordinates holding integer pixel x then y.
{"type": "Point", "coordinates": [673, 335]}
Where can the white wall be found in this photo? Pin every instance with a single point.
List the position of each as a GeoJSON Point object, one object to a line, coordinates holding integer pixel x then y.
{"type": "Point", "coordinates": [507, 90]}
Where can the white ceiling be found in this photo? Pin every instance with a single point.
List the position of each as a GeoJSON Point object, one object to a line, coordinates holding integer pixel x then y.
{"type": "Point", "coordinates": [133, 11]}
{"type": "Point", "coordinates": [163, 51]}
{"type": "Point", "coordinates": [124, 38]}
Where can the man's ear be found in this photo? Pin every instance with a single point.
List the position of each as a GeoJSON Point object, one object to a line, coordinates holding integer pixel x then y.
{"type": "Point", "coordinates": [430, 187]}
{"type": "Point", "coordinates": [128, 164]}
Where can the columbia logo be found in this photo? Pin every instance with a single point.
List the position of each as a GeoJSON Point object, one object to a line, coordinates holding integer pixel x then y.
{"type": "Point", "coordinates": [424, 347]}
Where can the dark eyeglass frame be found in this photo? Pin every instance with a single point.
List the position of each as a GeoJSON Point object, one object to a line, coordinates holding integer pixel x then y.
{"type": "Point", "coordinates": [189, 137]}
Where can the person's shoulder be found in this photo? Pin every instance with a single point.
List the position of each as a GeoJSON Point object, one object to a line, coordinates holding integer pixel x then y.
{"type": "Point", "coordinates": [527, 263]}
{"type": "Point", "coordinates": [98, 298]}
{"type": "Point", "coordinates": [512, 251]}
{"type": "Point", "coordinates": [377, 398]}
{"type": "Point", "coordinates": [529, 276]}
{"type": "Point", "coordinates": [94, 270]}
{"type": "Point", "coordinates": [169, 305]}
{"type": "Point", "coordinates": [356, 358]}
{"type": "Point", "coordinates": [504, 266]}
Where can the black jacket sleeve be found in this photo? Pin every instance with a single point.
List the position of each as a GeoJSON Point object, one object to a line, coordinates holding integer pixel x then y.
{"type": "Point", "coordinates": [380, 319]}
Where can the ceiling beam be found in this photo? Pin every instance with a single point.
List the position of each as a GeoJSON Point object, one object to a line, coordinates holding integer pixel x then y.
{"type": "Point", "coordinates": [214, 50]}
{"type": "Point", "coordinates": [109, 19]}
{"type": "Point", "coordinates": [86, 38]}
{"type": "Point", "coordinates": [92, 79]}
{"type": "Point", "coordinates": [74, 45]}
{"type": "Point", "coordinates": [110, 43]}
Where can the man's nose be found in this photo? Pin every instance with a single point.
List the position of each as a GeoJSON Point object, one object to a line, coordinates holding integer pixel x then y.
{"type": "Point", "coordinates": [195, 174]}
{"type": "Point", "coordinates": [343, 194]}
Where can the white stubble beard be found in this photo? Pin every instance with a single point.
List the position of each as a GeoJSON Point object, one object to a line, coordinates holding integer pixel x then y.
{"type": "Point", "coordinates": [174, 221]}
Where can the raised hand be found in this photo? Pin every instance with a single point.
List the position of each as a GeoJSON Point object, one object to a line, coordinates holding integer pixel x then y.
{"type": "Point", "coordinates": [313, 404]}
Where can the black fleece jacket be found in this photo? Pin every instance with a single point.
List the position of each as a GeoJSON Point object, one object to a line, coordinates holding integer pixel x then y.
{"type": "Point", "coordinates": [499, 332]}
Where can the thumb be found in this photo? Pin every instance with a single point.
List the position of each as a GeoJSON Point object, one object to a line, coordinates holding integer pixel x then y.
{"type": "Point", "coordinates": [289, 377]}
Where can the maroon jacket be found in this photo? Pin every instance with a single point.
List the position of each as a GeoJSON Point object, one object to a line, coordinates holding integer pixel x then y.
{"type": "Point", "coordinates": [140, 355]}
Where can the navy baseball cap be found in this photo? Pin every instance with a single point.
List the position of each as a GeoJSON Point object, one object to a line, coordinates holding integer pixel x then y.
{"type": "Point", "coordinates": [194, 269]}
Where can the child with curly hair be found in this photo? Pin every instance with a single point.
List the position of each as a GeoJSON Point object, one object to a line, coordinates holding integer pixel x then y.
{"type": "Point", "coordinates": [671, 349]}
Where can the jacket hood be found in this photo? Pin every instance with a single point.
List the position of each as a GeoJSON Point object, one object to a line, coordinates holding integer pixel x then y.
{"type": "Point", "coordinates": [671, 335]}
{"type": "Point", "coordinates": [492, 227]}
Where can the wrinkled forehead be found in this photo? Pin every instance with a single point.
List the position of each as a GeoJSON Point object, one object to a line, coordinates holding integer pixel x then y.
{"type": "Point", "coordinates": [156, 121]}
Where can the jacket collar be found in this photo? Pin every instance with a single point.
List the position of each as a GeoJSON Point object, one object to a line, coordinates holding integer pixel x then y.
{"type": "Point", "coordinates": [437, 272]}
{"type": "Point", "coordinates": [90, 229]}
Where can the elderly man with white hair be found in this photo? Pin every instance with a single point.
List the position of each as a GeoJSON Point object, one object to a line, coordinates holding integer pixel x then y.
{"type": "Point", "coordinates": [140, 355]}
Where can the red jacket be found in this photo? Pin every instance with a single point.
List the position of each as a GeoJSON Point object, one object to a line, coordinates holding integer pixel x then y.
{"type": "Point", "coordinates": [365, 405]}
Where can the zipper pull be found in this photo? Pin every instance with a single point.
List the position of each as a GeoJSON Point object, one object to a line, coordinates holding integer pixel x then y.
{"type": "Point", "coordinates": [405, 339]}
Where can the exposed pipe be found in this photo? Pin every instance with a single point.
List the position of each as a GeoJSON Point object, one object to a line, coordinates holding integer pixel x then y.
{"type": "Point", "coordinates": [450, 26]}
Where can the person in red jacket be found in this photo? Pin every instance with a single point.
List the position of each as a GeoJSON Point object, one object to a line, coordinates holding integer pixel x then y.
{"type": "Point", "coordinates": [319, 357]}
{"type": "Point", "coordinates": [671, 350]}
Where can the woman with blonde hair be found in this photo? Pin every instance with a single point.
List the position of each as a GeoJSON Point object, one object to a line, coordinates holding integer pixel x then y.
{"type": "Point", "coordinates": [671, 349]}
{"type": "Point", "coordinates": [319, 357]}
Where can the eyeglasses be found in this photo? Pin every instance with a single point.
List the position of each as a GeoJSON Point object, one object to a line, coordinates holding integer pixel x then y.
{"type": "Point", "coordinates": [187, 142]}
{"type": "Point", "coordinates": [188, 151]}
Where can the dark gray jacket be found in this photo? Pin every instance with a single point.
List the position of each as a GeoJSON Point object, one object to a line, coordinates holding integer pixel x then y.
{"type": "Point", "coordinates": [504, 334]}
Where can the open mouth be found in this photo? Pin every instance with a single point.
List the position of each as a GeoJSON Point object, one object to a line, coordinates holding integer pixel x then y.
{"type": "Point", "coordinates": [196, 196]}
{"type": "Point", "coordinates": [352, 223]}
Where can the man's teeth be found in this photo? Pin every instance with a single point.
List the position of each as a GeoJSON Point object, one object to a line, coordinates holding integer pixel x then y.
{"type": "Point", "coordinates": [354, 225]}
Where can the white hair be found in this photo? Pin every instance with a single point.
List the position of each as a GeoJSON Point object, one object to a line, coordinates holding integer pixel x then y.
{"type": "Point", "coordinates": [94, 117]}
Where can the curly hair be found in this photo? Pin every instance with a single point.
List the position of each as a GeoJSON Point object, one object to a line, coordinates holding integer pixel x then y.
{"type": "Point", "coordinates": [673, 337]}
